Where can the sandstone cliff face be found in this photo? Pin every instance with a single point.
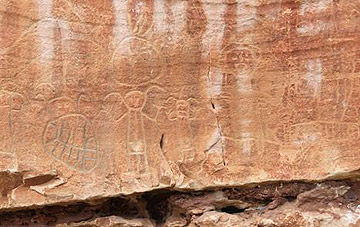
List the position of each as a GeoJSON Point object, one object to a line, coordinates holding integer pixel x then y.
{"type": "Point", "coordinates": [103, 98]}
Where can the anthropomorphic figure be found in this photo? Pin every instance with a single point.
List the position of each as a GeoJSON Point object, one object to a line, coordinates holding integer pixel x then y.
{"type": "Point", "coordinates": [10, 104]}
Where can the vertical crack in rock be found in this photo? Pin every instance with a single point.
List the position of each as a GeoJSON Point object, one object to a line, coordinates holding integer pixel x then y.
{"type": "Point", "coordinates": [222, 144]}
{"type": "Point", "coordinates": [220, 139]}
{"type": "Point", "coordinates": [212, 105]}
{"type": "Point", "coordinates": [213, 145]}
{"type": "Point", "coordinates": [161, 143]}
{"type": "Point", "coordinates": [217, 115]}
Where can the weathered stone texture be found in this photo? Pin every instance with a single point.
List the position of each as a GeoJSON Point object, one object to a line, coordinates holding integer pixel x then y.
{"type": "Point", "coordinates": [102, 98]}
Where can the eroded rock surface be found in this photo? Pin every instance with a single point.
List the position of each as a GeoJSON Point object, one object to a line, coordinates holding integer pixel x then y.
{"type": "Point", "coordinates": [102, 98]}
{"type": "Point", "coordinates": [331, 203]}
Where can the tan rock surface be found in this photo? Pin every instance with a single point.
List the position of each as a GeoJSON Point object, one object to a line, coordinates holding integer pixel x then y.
{"type": "Point", "coordinates": [103, 98]}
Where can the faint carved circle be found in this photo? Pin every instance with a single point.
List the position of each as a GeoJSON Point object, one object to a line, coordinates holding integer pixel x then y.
{"type": "Point", "coordinates": [71, 140]}
{"type": "Point", "coordinates": [135, 100]}
{"type": "Point", "coordinates": [136, 62]}
{"type": "Point", "coordinates": [237, 59]}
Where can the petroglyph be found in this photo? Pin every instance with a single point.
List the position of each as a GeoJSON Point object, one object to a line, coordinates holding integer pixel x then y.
{"type": "Point", "coordinates": [10, 103]}
{"type": "Point", "coordinates": [183, 113]}
{"type": "Point", "coordinates": [140, 16]}
{"type": "Point", "coordinates": [315, 26]}
{"type": "Point", "coordinates": [318, 130]}
{"type": "Point", "coordinates": [332, 131]}
{"type": "Point", "coordinates": [44, 92]}
{"type": "Point", "coordinates": [337, 103]}
{"type": "Point", "coordinates": [136, 144]}
{"type": "Point", "coordinates": [196, 20]}
{"type": "Point", "coordinates": [69, 136]}
{"type": "Point", "coordinates": [126, 96]}
{"type": "Point", "coordinates": [131, 108]}
{"type": "Point", "coordinates": [134, 98]}
{"type": "Point", "coordinates": [132, 53]}
{"type": "Point", "coordinates": [238, 59]}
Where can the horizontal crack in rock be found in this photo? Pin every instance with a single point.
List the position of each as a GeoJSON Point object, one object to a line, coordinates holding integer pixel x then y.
{"type": "Point", "coordinates": [161, 207]}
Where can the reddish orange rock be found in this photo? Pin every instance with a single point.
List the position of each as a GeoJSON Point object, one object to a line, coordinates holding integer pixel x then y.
{"type": "Point", "coordinates": [108, 98]}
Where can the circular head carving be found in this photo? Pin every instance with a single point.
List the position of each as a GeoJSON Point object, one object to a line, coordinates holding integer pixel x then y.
{"type": "Point", "coordinates": [237, 59]}
{"type": "Point", "coordinates": [136, 62]}
{"type": "Point", "coordinates": [135, 99]}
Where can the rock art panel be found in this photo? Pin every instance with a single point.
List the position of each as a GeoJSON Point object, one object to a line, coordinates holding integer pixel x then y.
{"type": "Point", "coordinates": [110, 98]}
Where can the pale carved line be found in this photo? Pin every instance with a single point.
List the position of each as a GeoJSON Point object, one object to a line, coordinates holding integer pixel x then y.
{"type": "Point", "coordinates": [65, 144]}
{"type": "Point", "coordinates": [11, 109]}
{"type": "Point", "coordinates": [137, 113]}
{"type": "Point", "coordinates": [182, 113]}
